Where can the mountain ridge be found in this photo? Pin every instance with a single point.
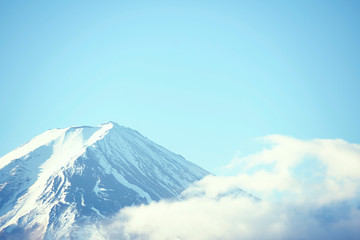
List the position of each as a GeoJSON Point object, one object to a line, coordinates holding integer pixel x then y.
{"type": "Point", "coordinates": [79, 174]}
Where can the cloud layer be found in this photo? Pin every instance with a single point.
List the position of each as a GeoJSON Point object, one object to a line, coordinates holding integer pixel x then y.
{"type": "Point", "coordinates": [308, 190]}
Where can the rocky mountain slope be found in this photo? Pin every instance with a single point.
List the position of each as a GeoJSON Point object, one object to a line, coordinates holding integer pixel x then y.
{"type": "Point", "coordinates": [64, 178]}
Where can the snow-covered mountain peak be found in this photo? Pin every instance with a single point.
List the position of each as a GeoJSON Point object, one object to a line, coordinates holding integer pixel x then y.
{"type": "Point", "coordinates": [77, 136]}
{"type": "Point", "coordinates": [64, 177]}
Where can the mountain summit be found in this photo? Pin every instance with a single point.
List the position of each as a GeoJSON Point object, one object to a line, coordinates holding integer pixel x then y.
{"type": "Point", "coordinates": [67, 177]}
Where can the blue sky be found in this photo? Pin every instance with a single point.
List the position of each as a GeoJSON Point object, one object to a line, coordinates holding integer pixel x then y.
{"type": "Point", "coordinates": [201, 78]}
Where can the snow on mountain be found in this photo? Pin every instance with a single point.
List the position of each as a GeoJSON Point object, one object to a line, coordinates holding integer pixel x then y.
{"type": "Point", "coordinates": [67, 177]}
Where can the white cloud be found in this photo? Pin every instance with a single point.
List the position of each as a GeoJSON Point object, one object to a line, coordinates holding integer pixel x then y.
{"type": "Point", "coordinates": [327, 170]}
{"type": "Point", "coordinates": [309, 190]}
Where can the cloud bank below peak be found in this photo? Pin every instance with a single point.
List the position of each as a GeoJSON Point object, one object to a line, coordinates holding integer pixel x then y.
{"type": "Point", "coordinates": [308, 190]}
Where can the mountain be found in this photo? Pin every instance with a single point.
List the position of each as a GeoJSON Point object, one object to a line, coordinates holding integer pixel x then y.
{"type": "Point", "coordinates": [67, 177]}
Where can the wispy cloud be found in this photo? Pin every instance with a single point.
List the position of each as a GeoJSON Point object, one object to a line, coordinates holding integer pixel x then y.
{"type": "Point", "coordinates": [308, 190]}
